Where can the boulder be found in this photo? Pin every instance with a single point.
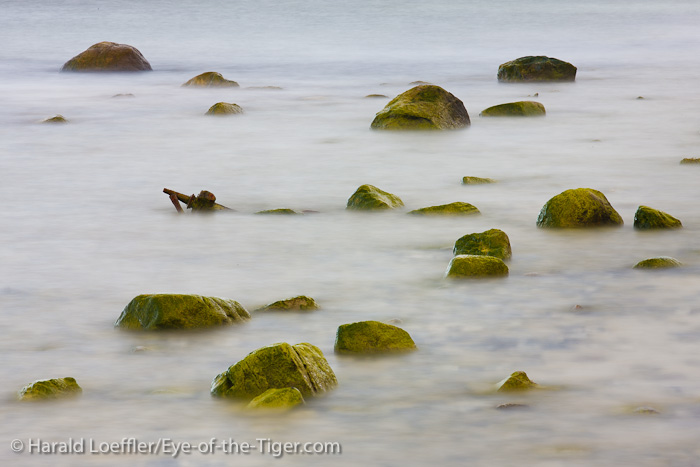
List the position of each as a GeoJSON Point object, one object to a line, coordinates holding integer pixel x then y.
{"type": "Point", "coordinates": [536, 69]}
{"type": "Point", "coordinates": [210, 79]}
{"type": "Point", "coordinates": [453, 209]}
{"type": "Point", "coordinates": [660, 262]}
{"type": "Point", "coordinates": [515, 109]}
{"type": "Point", "coordinates": [108, 56]}
{"type": "Point", "coordinates": [690, 160]}
{"type": "Point", "coordinates": [50, 389]}
{"type": "Point", "coordinates": [648, 218]}
{"type": "Point", "coordinates": [369, 337]}
{"type": "Point", "coordinates": [278, 366]}
{"type": "Point", "coordinates": [55, 119]}
{"type": "Point", "coordinates": [518, 381]}
{"type": "Point", "coordinates": [493, 242]}
{"type": "Point", "coordinates": [282, 211]}
{"type": "Point", "coordinates": [302, 303]}
{"type": "Point", "coordinates": [370, 198]}
{"type": "Point", "coordinates": [278, 399]}
{"type": "Point", "coordinates": [174, 311]}
{"type": "Point", "coordinates": [580, 207]}
{"type": "Point", "coordinates": [476, 180]}
{"type": "Point", "coordinates": [224, 108]}
{"type": "Point", "coordinates": [474, 266]}
{"type": "Point", "coordinates": [424, 107]}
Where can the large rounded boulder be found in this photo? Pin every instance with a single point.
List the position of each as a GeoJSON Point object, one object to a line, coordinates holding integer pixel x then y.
{"type": "Point", "coordinates": [424, 107]}
{"type": "Point", "coordinates": [224, 108]}
{"type": "Point", "coordinates": [371, 337]}
{"type": "Point", "coordinates": [648, 218]}
{"type": "Point", "coordinates": [537, 68]}
{"type": "Point", "coordinates": [210, 79]}
{"type": "Point", "coordinates": [580, 207]}
{"type": "Point", "coordinates": [493, 242]}
{"type": "Point", "coordinates": [515, 109]}
{"type": "Point", "coordinates": [371, 198]}
{"type": "Point", "coordinates": [475, 266]}
{"type": "Point", "coordinates": [108, 56]}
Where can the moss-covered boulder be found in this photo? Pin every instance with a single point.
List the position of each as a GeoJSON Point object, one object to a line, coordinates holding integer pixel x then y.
{"type": "Point", "coordinates": [108, 56]}
{"type": "Point", "coordinates": [282, 211]}
{"type": "Point", "coordinates": [515, 109]}
{"type": "Point", "coordinates": [300, 366]}
{"type": "Point", "coordinates": [55, 119]}
{"type": "Point", "coordinates": [370, 337]}
{"type": "Point", "coordinates": [518, 381]}
{"type": "Point", "coordinates": [224, 108]}
{"type": "Point", "coordinates": [476, 180]}
{"type": "Point", "coordinates": [537, 68]}
{"type": "Point", "coordinates": [690, 160]}
{"type": "Point", "coordinates": [580, 207]}
{"type": "Point", "coordinates": [371, 198]}
{"type": "Point", "coordinates": [300, 303]}
{"type": "Point", "coordinates": [660, 262]}
{"type": "Point", "coordinates": [210, 79]}
{"type": "Point", "coordinates": [50, 389]}
{"type": "Point", "coordinates": [174, 311]}
{"type": "Point", "coordinates": [453, 209]}
{"type": "Point", "coordinates": [424, 107]}
{"type": "Point", "coordinates": [493, 242]}
{"type": "Point", "coordinates": [648, 218]}
{"type": "Point", "coordinates": [475, 266]}
{"type": "Point", "coordinates": [277, 399]}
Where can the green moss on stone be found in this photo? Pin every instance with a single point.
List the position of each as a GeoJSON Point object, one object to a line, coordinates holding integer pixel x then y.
{"type": "Point", "coordinates": [302, 302]}
{"type": "Point", "coordinates": [50, 389]}
{"type": "Point", "coordinates": [580, 207]}
{"type": "Point", "coordinates": [536, 68]}
{"type": "Point", "coordinates": [515, 109]}
{"type": "Point", "coordinates": [493, 242]}
{"type": "Point", "coordinates": [210, 79]}
{"type": "Point", "coordinates": [55, 119]}
{"type": "Point", "coordinates": [659, 262]}
{"type": "Point", "coordinates": [372, 337]}
{"type": "Point", "coordinates": [278, 399]}
{"type": "Point", "coordinates": [370, 198]}
{"type": "Point", "coordinates": [174, 311]}
{"type": "Point", "coordinates": [648, 218]}
{"type": "Point", "coordinates": [475, 266]}
{"type": "Point", "coordinates": [282, 211]}
{"type": "Point", "coordinates": [424, 107]}
{"type": "Point", "coordinates": [108, 56]}
{"type": "Point", "coordinates": [224, 108]}
{"type": "Point", "coordinates": [476, 180]}
{"type": "Point", "coordinates": [301, 366]}
{"type": "Point", "coordinates": [518, 381]}
{"type": "Point", "coordinates": [690, 160]}
{"type": "Point", "coordinates": [453, 209]}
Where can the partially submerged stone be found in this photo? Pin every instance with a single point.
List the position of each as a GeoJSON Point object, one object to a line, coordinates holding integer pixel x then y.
{"type": "Point", "coordinates": [175, 311]}
{"type": "Point", "coordinates": [370, 198]}
{"type": "Point", "coordinates": [518, 381]}
{"type": "Point", "coordinates": [300, 303]}
{"type": "Point", "coordinates": [282, 211]}
{"type": "Point", "coordinates": [453, 209]}
{"type": "Point", "coordinates": [515, 109]}
{"type": "Point", "coordinates": [108, 56]}
{"type": "Point", "coordinates": [537, 68]}
{"type": "Point", "coordinates": [580, 207]}
{"type": "Point", "coordinates": [660, 262]}
{"type": "Point", "coordinates": [475, 266]}
{"type": "Point", "coordinates": [300, 366]}
{"type": "Point", "coordinates": [424, 107]}
{"type": "Point", "coordinates": [50, 389]}
{"type": "Point", "coordinates": [493, 242]}
{"type": "Point", "coordinates": [376, 96]}
{"type": "Point", "coordinates": [369, 337]}
{"type": "Point", "coordinates": [55, 119]}
{"type": "Point", "coordinates": [224, 108]}
{"type": "Point", "coordinates": [690, 160]}
{"type": "Point", "coordinates": [476, 180]}
{"type": "Point", "coordinates": [210, 79]}
{"type": "Point", "coordinates": [648, 218]}
{"type": "Point", "coordinates": [277, 399]}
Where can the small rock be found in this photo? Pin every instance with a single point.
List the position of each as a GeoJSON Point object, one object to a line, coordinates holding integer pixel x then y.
{"type": "Point", "coordinates": [278, 399]}
{"type": "Point", "coordinates": [424, 107]}
{"type": "Point", "coordinates": [50, 389]}
{"type": "Point", "coordinates": [518, 381]}
{"type": "Point", "coordinates": [376, 96]}
{"type": "Point", "coordinates": [660, 262]}
{"type": "Point", "coordinates": [646, 411]}
{"type": "Point", "coordinates": [648, 218]}
{"type": "Point", "coordinates": [123, 95]}
{"type": "Point", "coordinates": [369, 198]}
{"type": "Point", "coordinates": [224, 108]}
{"type": "Point", "coordinates": [515, 109]}
{"type": "Point", "coordinates": [302, 302]}
{"type": "Point", "coordinates": [368, 337]}
{"type": "Point", "coordinates": [537, 68]}
{"type": "Point", "coordinates": [55, 119]}
{"type": "Point", "coordinates": [511, 406]}
{"type": "Point", "coordinates": [580, 207]}
{"type": "Point", "coordinates": [453, 209]}
{"type": "Point", "coordinates": [210, 79]}
{"type": "Point", "coordinates": [108, 56]}
{"type": "Point", "coordinates": [282, 211]}
{"type": "Point", "coordinates": [690, 160]}
{"type": "Point", "coordinates": [493, 242]}
{"type": "Point", "coordinates": [476, 180]}
{"type": "Point", "coordinates": [475, 266]}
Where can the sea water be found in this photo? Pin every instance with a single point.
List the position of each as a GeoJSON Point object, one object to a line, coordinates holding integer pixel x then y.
{"type": "Point", "coordinates": [86, 227]}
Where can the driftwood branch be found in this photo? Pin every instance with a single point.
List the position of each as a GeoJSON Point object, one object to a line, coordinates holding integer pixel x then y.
{"type": "Point", "coordinates": [205, 201]}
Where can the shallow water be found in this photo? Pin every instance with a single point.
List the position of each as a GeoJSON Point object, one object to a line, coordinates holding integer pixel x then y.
{"type": "Point", "coordinates": [86, 228]}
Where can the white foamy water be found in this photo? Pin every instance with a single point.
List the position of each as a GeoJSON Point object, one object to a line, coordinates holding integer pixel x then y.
{"type": "Point", "coordinates": [86, 227]}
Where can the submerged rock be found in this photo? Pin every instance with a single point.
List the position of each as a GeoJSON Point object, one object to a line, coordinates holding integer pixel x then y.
{"type": "Point", "coordinates": [50, 389]}
{"type": "Point", "coordinates": [690, 160]}
{"type": "Point", "coordinates": [376, 96]}
{"type": "Point", "coordinates": [278, 399]}
{"type": "Point", "coordinates": [660, 262]}
{"type": "Point", "coordinates": [476, 180]}
{"type": "Point", "coordinates": [300, 366]}
{"type": "Point", "coordinates": [538, 68]}
{"type": "Point", "coordinates": [580, 207]}
{"type": "Point", "coordinates": [108, 56]}
{"type": "Point", "coordinates": [210, 79]}
{"type": "Point", "coordinates": [55, 119]}
{"type": "Point", "coordinates": [648, 218]}
{"type": "Point", "coordinates": [302, 302]}
{"type": "Point", "coordinates": [646, 411]}
{"type": "Point", "coordinates": [518, 381]}
{"type": "Point", "coordinates": [424, 107]}
{"type": "Point", "coordinates": [493, 242]}
{"type": "Point", "coordinates": [282, 211]}
{"type": "Point", "coordinates": [174, 311]}
{"type": "Point", "coordinates": [369, 198]}
{"type": "Point", "coordinates": [453, 209]}
{"type": "Point", "coordinates": [224, 108]}
{"type": "Point", "coordinates": [474, 266]}
{"type": "Point", "coordinates": [372, 337]}
{"type": "Point", "coordinates": [515, 109]}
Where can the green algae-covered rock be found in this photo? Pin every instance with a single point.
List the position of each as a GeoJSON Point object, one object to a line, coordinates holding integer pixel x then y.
{"type": "Point", "coordinates": [210, 79]}
{"type": "Point", "coordinates": [370, 198]}
{"type": "Point", "coordinates": [372, 337]}
{"type": "Point", "coordinates": [518, 381]}
{"type": "Point", "coordinates": [453, 209]}
{"type": "Point", "coordinates": [300, 366]}
{"type": "Point", "coordinates": [224, 108]}
{"type": "Point", "coordinates": [278, 399]}
{"type": "Point", "coordinates": [476, 180]}
{"type": "Point", "coordinates": [474, 266]}
{"type": "Point", "coordinates": [580, 207]}
{"type": "Point", "coordinates": [493, 242]}
{"type": "Point", "coordinates": [281, 211]}
{"type": "Point", "coordinates": [108, 56]}
{"type": "Point", "coordinates": [50, 389]}
{"type": "Point", "coordinates": [174, 311]}
{"type": "Point", "coordinates": [538, 68]}
{"type": "Point", "coordinates": [690, 160]}
{"type": "Point", "coordinates": [648, 218]}
{"type": "Point", "coordinates": [424, 107]}
{"type": "Point", "coordinates": [55, 119]}
{"type": "Point", "coordinates": [515, 109]}
{"type": "Point", "coordinates": [302, 302]}
{"type": "Point", "coordinates": [659, 262]}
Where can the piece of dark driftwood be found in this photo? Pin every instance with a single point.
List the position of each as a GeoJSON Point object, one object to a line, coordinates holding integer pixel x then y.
{"type": "Point", "coordinates": [205, 201]}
